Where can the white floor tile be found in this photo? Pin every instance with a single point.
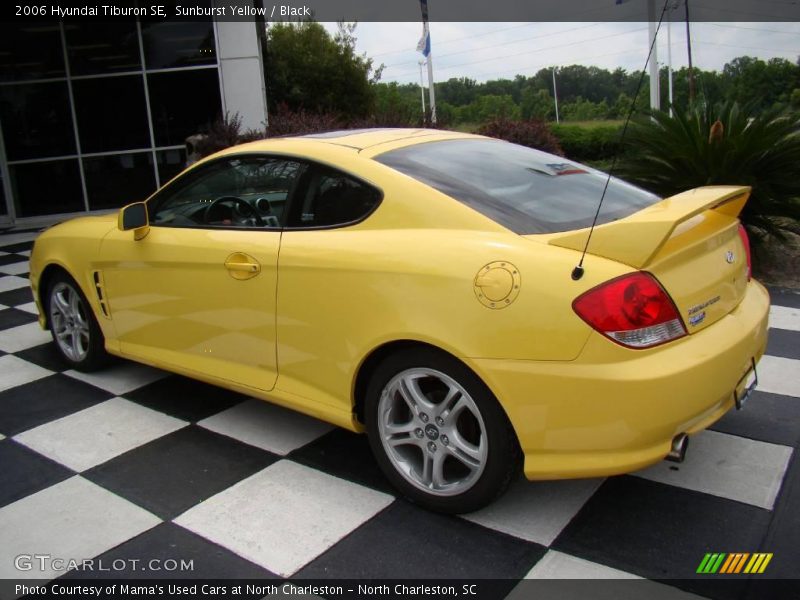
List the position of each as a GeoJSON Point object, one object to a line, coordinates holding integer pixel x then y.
{"type": "Point", "coordinates": [284, 516]}
{"type": "Point", "coordinates": [557, 565]}
{"type": "Point", "coordinates": [120, 378]}
{"type": "Point", "coordinates": [589, 580]}
{"type": "Point", "coordinates": [537, 511]}
{"type": "Point", "coordinates": [23, 337]}
{"type": "Point", "coordinates": [779, 375]}
{"type": "Point", "coordinates": [30, 307]}
{"type": "Point", "coordinates": [98, 433]}
{"type": "Point", "coordinates": [266, 426]}
{"type": "Point", "coordinates": [9, 239]}
{"type": "Point", "coordinates": [784, 317]}
{"type": "Point", "coordinates": [12, 282]}
{"type": "Point", "coordinates": [15, 371]}
{"type": "Point", "coordinates": [16, 268]}
{"type": "Point", "coordinates": [728, 466]}
{"type": "Point", "coordinates": [74, 519]}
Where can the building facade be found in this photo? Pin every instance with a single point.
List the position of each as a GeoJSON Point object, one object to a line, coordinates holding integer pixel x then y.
{"type": "Point", "coordinates": [94, 116]}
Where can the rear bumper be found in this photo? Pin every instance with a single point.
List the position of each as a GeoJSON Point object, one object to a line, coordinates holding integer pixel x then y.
{"type": "Point", "coordinates": [614, 410]}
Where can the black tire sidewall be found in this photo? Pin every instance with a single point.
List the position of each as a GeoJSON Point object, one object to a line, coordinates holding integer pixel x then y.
{"type": "Point", "coordinates": [502, 462]}
{"type": "Point", "coordinates": [96, 356]}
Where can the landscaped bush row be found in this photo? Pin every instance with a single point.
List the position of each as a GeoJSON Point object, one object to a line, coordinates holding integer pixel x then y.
{"type": "Point", "coordinates": [588, 143]}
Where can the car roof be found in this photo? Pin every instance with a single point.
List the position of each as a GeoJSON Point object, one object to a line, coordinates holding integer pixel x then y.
{"type": "Point", "coordinates": [368, 142]}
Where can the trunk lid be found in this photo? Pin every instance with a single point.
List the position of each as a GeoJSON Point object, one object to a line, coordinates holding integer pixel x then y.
{"type": "Point", "coordinates": [690, 242]}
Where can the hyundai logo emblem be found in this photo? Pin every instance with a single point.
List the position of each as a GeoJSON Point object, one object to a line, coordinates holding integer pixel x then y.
{"type": "Point", "coordinates": [730, 257]}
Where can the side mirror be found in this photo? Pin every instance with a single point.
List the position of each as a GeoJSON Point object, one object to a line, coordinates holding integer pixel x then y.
{"type": "Point", "coordinates": [134, 217]}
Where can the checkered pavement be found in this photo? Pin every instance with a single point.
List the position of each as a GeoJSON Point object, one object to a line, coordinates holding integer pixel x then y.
{"type": "Point", "coordinates": [136, 463]}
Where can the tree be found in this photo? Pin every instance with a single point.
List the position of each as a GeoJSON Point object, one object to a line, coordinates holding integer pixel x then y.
{"type": "Point", "coordinates": [537, 104]}
{"type": "Point", "coordinates": [759, 149]}
{"type": "Point", "coordinates": [307, 69]}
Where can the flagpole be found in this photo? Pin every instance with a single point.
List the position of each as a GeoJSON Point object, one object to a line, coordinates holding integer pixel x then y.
{"type": "Point", "coordinates": [425, 47]}
{"type": "Point", "coordinates": [422, 90]}
{"type": "Point", "coordinates": [431, 93]}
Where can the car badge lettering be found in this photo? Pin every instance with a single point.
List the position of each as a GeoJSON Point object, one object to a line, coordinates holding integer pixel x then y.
{"type": "Point", "coordinates": [696, 309]}
{"type": "Point", "coordinates": [697, 319]}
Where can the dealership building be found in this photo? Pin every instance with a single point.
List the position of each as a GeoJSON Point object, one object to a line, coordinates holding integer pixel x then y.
{"type": "Point", "coordinates": [94, 115]}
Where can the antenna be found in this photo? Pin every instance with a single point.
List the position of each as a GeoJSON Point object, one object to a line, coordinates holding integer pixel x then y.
{"type": "Point", "coordinates": [577, 272]}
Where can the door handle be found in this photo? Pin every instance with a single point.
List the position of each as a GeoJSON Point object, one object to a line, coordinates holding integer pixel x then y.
{"type": "Point", "coordinates": [242, 266]}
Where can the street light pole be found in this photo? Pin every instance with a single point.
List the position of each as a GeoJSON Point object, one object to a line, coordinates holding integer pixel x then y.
{"type": "Point", "coordinates": [555, 94]}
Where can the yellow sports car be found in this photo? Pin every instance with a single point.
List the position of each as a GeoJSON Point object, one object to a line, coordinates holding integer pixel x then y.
{"type": "Point", "coordinates": [425, 286]}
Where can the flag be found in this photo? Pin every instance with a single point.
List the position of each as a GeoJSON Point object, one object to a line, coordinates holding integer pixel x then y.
{"type": "Point", "coordinates": [424, 44]}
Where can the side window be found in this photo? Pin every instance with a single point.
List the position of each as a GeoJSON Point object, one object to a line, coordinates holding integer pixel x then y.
{"type": "Point", "coordinates": [333, 198]}
{"type": "Point", "coordinates": [236, 192]}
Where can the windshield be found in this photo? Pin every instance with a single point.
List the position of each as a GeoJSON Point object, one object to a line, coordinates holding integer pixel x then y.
{"type": "Point", "coordinates": [525, 190]}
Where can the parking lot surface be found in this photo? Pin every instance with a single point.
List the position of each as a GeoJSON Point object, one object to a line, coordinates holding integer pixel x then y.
{"type": "Point", "coordinates": [135, 463]}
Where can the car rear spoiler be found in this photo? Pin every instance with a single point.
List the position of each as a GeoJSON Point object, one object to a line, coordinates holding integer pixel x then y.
{"type": "Point", "coordinates": [635, 240]}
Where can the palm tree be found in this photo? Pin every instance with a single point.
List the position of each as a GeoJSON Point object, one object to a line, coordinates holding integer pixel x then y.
{"type": "Point", "coordinates": [722, 145]}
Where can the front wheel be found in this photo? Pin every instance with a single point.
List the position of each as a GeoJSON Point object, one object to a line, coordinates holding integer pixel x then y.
{"type": "Point", "coordinates": [438, 433]}
{"type": "Point", "coordinates": [75, 330]}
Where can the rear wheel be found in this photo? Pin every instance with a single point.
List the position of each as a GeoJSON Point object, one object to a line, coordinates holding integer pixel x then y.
{"type": "Point", "coordinates": [438, 433]}
{"type": "Point", "coordinates": [75, 330]}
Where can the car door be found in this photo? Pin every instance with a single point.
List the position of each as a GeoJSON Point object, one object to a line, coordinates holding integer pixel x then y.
{"type": "Point", "coordinates": [197, 293]}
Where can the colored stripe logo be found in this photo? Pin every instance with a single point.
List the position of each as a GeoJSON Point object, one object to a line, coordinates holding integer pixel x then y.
{"type": "Point", "coordinates": [734, 563]}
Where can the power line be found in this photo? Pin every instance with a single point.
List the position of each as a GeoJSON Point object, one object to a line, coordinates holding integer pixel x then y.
{"type": "Point", "coordinates": [576, 43]}
{"type": "Point", "coordinates": [466, 37]}
{"type": "Point", "coordinates": [753, 28]}
{"type": "Point", "coordinates": [537, 37]}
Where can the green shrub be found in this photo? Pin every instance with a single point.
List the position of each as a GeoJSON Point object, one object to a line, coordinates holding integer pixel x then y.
{"type": "Point", "coordinates": [588, 143]}
{"type": "Point", "coordinates": [760, 149]}
{"type": "Point", "coordinates": [531, 133]}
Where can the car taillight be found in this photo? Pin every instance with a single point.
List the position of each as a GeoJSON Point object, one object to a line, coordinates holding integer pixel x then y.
{"type": "Point", "coordinates": [746, 244]}
{"type": "Point", "coordinates": [632, 310]}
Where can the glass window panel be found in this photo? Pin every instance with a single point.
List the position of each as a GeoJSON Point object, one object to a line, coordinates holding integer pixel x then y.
{"type": "Point", "coordinates": [30, 50]}
{"type": "Point", "coordinates": [37, 122]}
{"type": "Point", "coordinates": [182, 102]}
{"type": "Point", "coordinates": [333, 199]}
{"type": "Point", "coordinates": [170, 44]}
{"type": "Point", "coordinates": [170, 163]}
{"type": "Point", "coordinates": [112, 113]}
{"type": "Point", "coordinates": [96, 48]}
{"type": "Point", "coordinates": [46, 188]}
{"type": "Point", "coordinates": [114, 181]}
{"type": "Point", "coordinates": [3, 207]}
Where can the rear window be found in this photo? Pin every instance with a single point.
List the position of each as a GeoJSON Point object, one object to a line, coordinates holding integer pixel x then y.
{"type": "Point", "coordinates": [525, 190]}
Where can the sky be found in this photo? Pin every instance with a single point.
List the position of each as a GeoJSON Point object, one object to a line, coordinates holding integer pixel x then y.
{"type": "Point", "coordinates": [484, 51]}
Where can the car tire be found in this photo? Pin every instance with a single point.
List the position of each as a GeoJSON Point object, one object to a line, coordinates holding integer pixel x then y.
{"type": "Point", "coordinates": [76, 334]}
{"type": "Point", "coordinates": [438, 433]}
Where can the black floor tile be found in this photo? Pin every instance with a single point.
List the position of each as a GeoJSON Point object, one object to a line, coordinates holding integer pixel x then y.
{"type": "Point", "coordinates": [171, 552]}
{"type": "Point", "coordinates": [18, 247]}
{"type": "Point", "coordinates": [346, 455]}
{"type": "Point", "coordinates": [11, 317]}
{"type": "Point", "coordinates": [784, 343]}
{"type": "Point", "coordinates": [173, 473]}
{"type": "Point", "coordinates": [16, 297]}
{"type": "Point", "coordinates": [765, 417]}
{"type": "Point", "coordinates": [25, 472]}
{"type": "Point", "coordinates": [784, 297]}
{"type": "Point", "coordinates": [185, 398]}
{"type": "Point", "coordinates": [46, 356]}
{"type": "Point", "coordinates": [10, 259]}
{"type": "Point", "coordinates": [44, 400]}
{"type": "Point", "coordinates": [418, 544]}
{"type": "Point", "coordinates": [660, 531]}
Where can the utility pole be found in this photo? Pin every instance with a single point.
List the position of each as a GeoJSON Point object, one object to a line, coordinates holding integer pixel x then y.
{"type": "Point", "coordinates": [655, 79]}
{"type": "Point", "coordinates": [669, 63]}
{"type": "Point", "coordinates": [689, 50]}
{"type": "Point", "coordinates": [555, 94]}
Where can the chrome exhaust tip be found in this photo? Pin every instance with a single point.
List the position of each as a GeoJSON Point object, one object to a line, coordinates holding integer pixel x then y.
{"type": "Point", "coordinates": [678, 451]}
